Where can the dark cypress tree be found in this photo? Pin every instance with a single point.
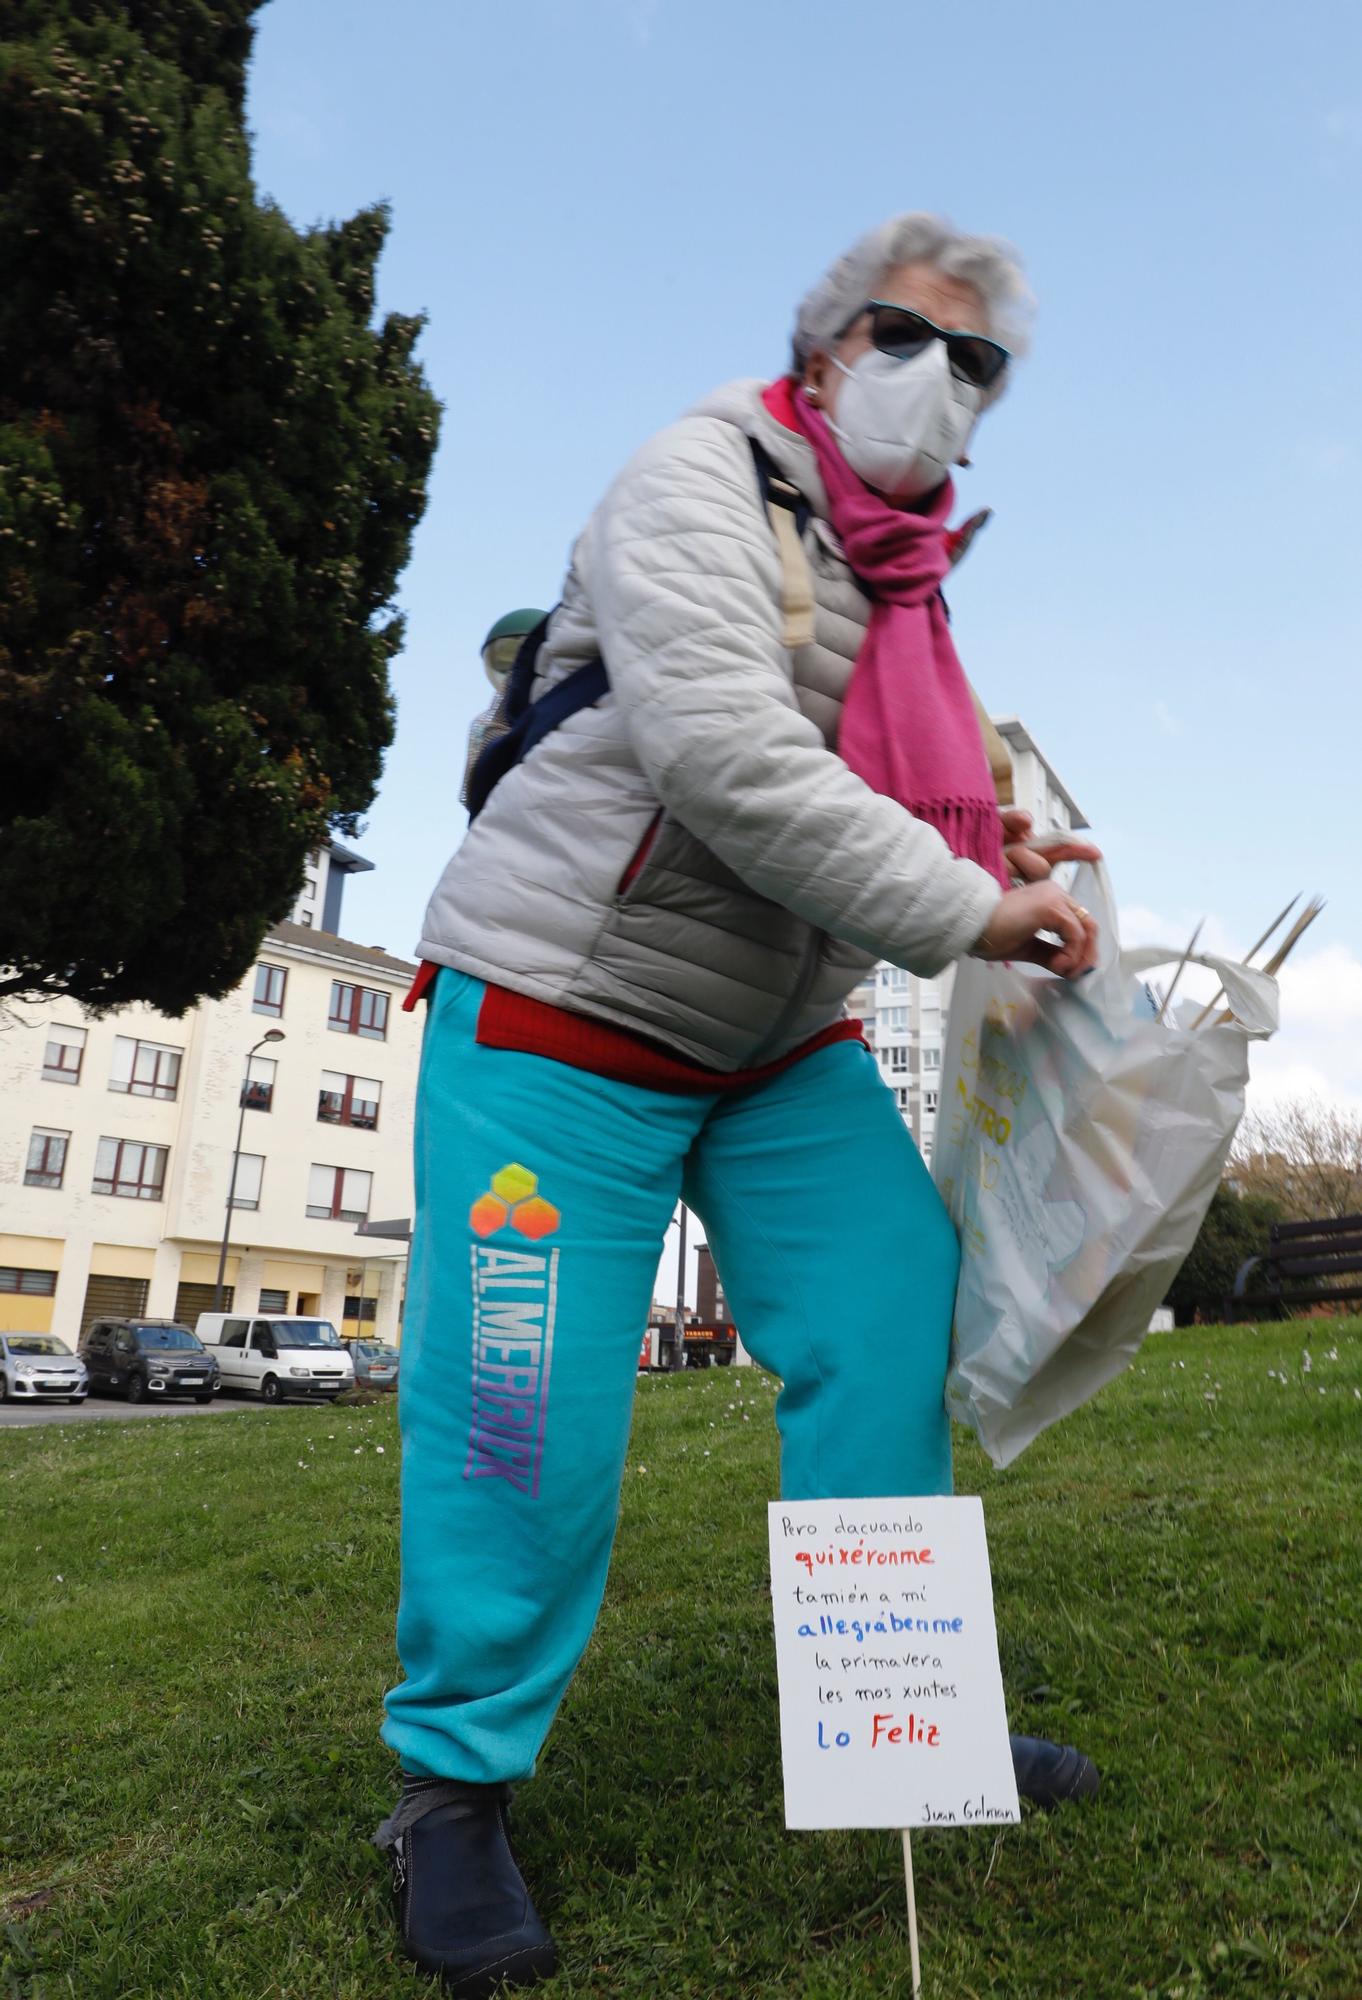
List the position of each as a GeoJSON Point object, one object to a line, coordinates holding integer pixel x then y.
{"type": "Point", "coordinates": [211, 465]}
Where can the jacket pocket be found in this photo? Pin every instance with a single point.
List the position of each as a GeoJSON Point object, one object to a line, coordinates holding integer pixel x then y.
{"type": "Point", "coordinates": [639, 859]}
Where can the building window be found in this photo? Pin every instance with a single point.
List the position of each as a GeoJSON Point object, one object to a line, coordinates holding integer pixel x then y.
{"type": "Point", "coordinates": [32, 1284]}
{"type": "Point", "coordinates": [270, 981]}
{"type": "Point", "coordinates": [46, 1158]}
{"type": "Point", "coordinates": [250, 1173]}
{"type": "Point", "coordinates": [305, 919]}
{"type": "Point", "coordinates": [930, 1100]}
{"type": "Point", "coordinates": [895, 1020]}
{"type": "Point", "coordinates": [931, 1058]}
{"type": "Point", "coordinates": [349, 1100]}
{"type": "Point", "coordinates": [893, 979]}
{"type": "Point", "coordinates": [358, 1010]}
{"type": "Point", "coordinates": [901, 1097]}
{"type": "Point", "coordinates": [64, 1055]}
{"type": "Point", "coordinates": [338, 1194]}
{"type": "Point", "coordinates": [122, 1166]}
{"type": "Point", "coordinates": [361, 1308]}
{"type": "Point", "coordinates": [257, 1092]}
{"type": "Point", "coordinates": [898, 1059]}
{"type": "Point", "coordinates": [273, 1302]}
{"type": "Point", "coordinates": [146, 1069]}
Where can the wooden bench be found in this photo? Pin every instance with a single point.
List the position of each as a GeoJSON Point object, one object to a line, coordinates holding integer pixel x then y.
{"type": "Point", "coordinates": [1297, 1253]}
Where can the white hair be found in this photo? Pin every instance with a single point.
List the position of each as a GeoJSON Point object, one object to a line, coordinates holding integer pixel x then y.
{"type": "Point", "coordinates": [985, 262]}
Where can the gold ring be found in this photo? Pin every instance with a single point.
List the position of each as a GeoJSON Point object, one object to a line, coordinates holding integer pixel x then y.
{"type": "Point", "coordinates": [1079, 911]}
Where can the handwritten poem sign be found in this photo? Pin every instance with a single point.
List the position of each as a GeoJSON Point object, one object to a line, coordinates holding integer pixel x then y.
{"type": "Point", "coordinates": [891, 1700]}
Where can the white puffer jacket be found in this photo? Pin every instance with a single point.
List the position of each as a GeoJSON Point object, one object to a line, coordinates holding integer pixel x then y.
{"type": "Point", "coordinates": [690, 858]}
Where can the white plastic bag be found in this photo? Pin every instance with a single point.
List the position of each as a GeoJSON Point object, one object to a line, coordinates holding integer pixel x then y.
{"type": "Point", "coordinates": [1078, 1143]}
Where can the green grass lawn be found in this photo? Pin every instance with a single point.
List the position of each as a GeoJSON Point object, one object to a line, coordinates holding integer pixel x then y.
{"type": "Point", "coordinates": [195, 1619]}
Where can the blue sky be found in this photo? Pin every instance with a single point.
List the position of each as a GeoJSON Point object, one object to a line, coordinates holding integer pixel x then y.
{"type": "Point", "coordinates": [608, 206]}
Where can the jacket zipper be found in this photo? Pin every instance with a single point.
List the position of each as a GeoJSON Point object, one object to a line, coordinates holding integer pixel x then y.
{"type": "Point", "coordinates": [799, 993]}
{"type": "Point", "coordinates": [640, 856]}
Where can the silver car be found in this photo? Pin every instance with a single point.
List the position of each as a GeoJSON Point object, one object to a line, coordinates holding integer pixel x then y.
{"type": "Point", "coordinates": [36, 1366]}
{"type": "Point", "coordinates": [375, 1363]}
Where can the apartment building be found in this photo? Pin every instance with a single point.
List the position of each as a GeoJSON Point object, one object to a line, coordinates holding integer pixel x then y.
{"type": "Point", "coordinates": [712, 1308]}
{"type": "Point", "coordinates": [905, 1022]}
{"type": "Point", "coordinates": [118, 1139]}
{"type": "Point", "coordinates": [1036, 787]}
{"type": "Point", "coordinates": [710, 1302]}
{"type": "Point", "coordinates": [324, 879]}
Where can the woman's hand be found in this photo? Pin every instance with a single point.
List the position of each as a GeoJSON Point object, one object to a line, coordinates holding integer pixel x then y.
{"type": "Point", "coordinates": [1041, 906]}
{"type": "Point", "coordinates": [1033, 863]}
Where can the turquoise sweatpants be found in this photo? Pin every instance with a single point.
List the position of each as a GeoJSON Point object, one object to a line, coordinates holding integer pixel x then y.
{"type": "Point", "coordinates": [543, 1194]}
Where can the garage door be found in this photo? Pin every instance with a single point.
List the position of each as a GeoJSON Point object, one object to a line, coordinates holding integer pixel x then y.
{"type": "Point", "coordinates": [191, 1300]}
{"type": "Point", "coordinates": [113, 1298]}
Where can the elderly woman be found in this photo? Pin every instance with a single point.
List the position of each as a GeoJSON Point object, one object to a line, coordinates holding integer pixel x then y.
{"type": "Point", "coordinates": [636, 968]}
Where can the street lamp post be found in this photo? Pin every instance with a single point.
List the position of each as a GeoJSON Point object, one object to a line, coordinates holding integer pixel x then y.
{"type": "Point", "coordinates": [679, 1338]}
{"type": "Point", "coordinates": [273, 1035]}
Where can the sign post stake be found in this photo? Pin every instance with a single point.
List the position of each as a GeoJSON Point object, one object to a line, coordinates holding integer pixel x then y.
{"type": "Point", "coordinates": [912, 1915]}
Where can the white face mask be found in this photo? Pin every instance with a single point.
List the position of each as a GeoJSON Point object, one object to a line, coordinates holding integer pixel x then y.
{"type": "Point", "coordinates": [903, 424]}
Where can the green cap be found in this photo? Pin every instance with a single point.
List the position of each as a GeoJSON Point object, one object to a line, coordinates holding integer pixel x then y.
{"type": "Point", "coordinates": [514, 625]}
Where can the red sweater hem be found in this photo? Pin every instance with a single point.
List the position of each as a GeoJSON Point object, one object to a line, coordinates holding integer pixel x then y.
{"type": "Point", "coordinates": [514, 1022]}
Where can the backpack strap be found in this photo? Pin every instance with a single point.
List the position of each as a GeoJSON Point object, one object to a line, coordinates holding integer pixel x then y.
{"type": "Point", "coordinates": [521, 722]}
{"type": "Point", "coordinates": [789, 513]}
{"type": "Point", "coordinates": [999, 762]}
{"type": "Point", "coordinates": [516, 698]}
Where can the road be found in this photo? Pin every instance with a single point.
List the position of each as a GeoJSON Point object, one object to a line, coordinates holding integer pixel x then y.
{"type": "Point", "coordinates": [16, 1416]}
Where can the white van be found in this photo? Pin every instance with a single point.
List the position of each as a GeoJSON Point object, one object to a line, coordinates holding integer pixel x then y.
{"type": "Point", "coordinates": [276, 1355]}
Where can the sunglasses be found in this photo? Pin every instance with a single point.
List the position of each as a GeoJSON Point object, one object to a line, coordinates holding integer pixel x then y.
{"type": "Point", "coordinates": [896, 331]}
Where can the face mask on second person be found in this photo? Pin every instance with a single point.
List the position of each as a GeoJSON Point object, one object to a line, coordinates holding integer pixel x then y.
{"type": "Point", "coordinates": [903, 424]}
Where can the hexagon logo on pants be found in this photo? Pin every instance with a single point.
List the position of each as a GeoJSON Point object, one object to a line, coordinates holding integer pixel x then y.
{"type": "Point", "coordinates": [514, 1198]}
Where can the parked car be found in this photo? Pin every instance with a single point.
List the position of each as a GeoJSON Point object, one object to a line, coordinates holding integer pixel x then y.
{"type": "Point", "coordinates": [375, 1363]}
{"type": "Point", "coordinates": [277, 1355]}
{"type": "Point", "coordinates": [145, 1358]}
{"type": "Point", "coordinates": [35, 1366]}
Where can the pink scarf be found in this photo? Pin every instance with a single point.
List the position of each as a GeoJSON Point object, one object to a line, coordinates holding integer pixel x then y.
{"type": "Point", "coordinates": [908, 723]}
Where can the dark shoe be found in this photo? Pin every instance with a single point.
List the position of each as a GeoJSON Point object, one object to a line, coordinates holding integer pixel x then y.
{"type": "Point", "coordinates": [1049, 1773]}
{"type": "Point", "coordinates": [462, 1907]}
